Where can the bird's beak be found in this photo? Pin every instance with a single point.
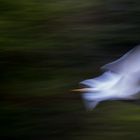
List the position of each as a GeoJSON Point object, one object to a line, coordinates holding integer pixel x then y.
{"type": "Point", "coordinates": [85, 90]}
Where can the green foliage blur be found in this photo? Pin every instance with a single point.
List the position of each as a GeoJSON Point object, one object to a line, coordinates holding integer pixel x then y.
{"type": "Point", "coordinates": [46, 48]}
{"type": "Point", "coordinates": [51, 23]}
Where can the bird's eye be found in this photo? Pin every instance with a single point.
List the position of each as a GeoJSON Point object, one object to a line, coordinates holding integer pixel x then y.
{"type": "Point", "coordinates": [82, 85]}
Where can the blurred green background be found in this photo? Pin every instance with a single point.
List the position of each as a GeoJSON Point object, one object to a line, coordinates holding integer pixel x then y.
{"type": "Point", "coordinates": [46, 48]}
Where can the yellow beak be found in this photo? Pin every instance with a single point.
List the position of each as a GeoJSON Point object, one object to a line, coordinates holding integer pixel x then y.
{"type": "Point", "coordinates": [85, 90]}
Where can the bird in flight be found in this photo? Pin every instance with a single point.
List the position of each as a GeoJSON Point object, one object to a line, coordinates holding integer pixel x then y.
{"type": "Point", "coordinates": [120, 81]}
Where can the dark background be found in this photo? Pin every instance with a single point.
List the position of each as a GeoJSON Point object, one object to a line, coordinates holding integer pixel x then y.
{"type": "Point", "coordinates": [46, 48]}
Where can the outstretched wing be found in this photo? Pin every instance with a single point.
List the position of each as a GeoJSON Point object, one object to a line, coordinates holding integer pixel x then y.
{"type": "Point", "coordinates": [128, 63]}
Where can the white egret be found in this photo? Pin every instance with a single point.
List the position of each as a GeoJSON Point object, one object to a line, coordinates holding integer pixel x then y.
{"type": "Point", "coordinates": [120, 81]}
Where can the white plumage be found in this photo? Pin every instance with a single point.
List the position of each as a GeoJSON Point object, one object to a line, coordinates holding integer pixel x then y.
{"type": "Point", "coordinates": [120, 81]}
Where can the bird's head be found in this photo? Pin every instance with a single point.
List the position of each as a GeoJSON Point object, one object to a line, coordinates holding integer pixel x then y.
{"type": "Point", "coordinates": [89, 96]}
{"type": "Point", "coordinates": [98, 89]}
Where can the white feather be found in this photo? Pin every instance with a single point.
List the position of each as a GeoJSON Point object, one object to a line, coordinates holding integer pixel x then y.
{"type": "Point", "coordinates": [121, 80]}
